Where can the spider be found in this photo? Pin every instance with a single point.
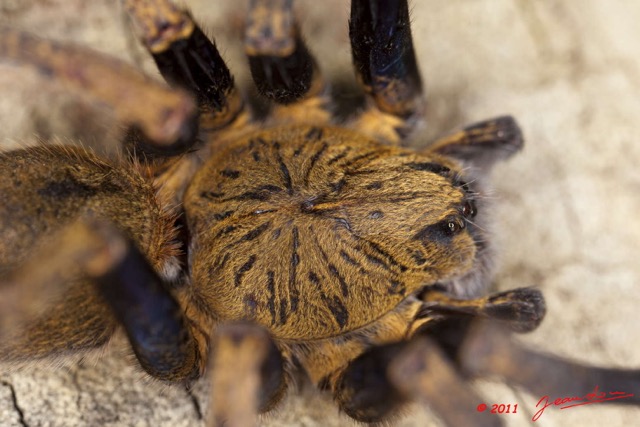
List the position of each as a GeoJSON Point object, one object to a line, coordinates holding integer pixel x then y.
{"type": "Point", "coordinates": [297, 244]}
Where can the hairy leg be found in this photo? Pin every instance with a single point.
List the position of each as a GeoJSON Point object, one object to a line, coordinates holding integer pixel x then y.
{"type": "Point", "coordinates": [166, 118]}
{"type": "Point", "coordinates": [282, 67]}
{"type": "Point", "coordinates": [385, 63]}
{"type": "Point", "coordinates": [246, 375]}
{"type": "Point", "coordinates": [520, 309]}
{"type": "Point", "coordinates": [95, 238]}
{"type": "Point", "coordinates": [481, 144]}
{"type": "Point", "coordinates": [187, 58]}
{"type": "Point", "coordinates": [379, 382]}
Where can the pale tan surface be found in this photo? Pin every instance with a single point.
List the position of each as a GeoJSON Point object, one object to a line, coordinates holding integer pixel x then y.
{"type": "Point", "coordinates": [566, 207]}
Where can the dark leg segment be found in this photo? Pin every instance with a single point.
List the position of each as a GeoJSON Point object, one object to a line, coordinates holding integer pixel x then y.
{"type": "Point", "coordinates": [282, 67]}
{"type": "Point", "coordinates": [364, 391]}
{"type": "Point", "coordinates": [152, 318]}
{"type": "Point", "coordinates": [246, 374]}
{"type": "Point", "coordinates": [383, 55]}
{"type": "Point", "coordinates": [187, 58]}
{"type": "Point", "coordinates": [127, 289]}
{"type": "Point", "coordinates": [520, 309]}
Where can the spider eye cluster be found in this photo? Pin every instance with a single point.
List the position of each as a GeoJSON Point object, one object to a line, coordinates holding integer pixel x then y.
{"type": "Point", "coordinates": [469, 209]}
{"type": "Point", "coordinates": [459, 222]}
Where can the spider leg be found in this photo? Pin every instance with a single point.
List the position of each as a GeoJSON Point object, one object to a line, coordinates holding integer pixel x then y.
{"type": "Point", "coordinates": [482, 144]}
{"type": "Point", "coordinates": [187, 58]}
{"type": "Point", "coordinates": [126, 291]}
{"type": "Point", "coordinates": [488, 351]}
{"type": "Point", "coordinates": [152, 318]}
{"type": "Point", "coordinates": [385, 63]}
{"type": "Point", "coordinates": [423, 371]}
{"type": "Point", "coordinates": [246, 374]}
{"type": "Point", "coordinates": [282, 67]}
{"type": "Point", "coordinates": [522, 309]}
{"type": "Point", "coordinates": [166, 117]}
{"type": "Point", "coordinates": [426, 369]}
{"type": "Point", "coordinates": [375, 384]}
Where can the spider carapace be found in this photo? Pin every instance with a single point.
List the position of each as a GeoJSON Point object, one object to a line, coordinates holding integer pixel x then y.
{"type": "Point", "coordinates": [246, 250]}
{"type": "Point", "coordinates": [336, 228]}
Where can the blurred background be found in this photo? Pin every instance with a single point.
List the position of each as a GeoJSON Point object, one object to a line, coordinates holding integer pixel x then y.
{"type": "Point", "coordinates": [565, 208]}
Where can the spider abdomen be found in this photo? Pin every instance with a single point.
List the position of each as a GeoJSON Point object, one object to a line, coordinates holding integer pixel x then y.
{"type": "Point", "coordinates": [47, 191]}
{"type": "Point", "coordinates": [312, 232]}
{"type": "Point", "coordinates": [49, 187]}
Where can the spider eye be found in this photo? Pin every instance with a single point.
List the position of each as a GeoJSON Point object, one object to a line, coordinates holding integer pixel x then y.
{"type": "Point", "coordinates": [469, 210]}
{"type": "Point", "coordinates": [455, 226]}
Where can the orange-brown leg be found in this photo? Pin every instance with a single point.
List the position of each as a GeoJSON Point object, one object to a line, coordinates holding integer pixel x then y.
{"type": "Point", "coordinates": [246, 375]}
{"type": "Point", "coordinates": [439, 360]}
{"type": "Point", "coordinates": [282, 67]}
{"type": "Point", "coordinates": [166, 118]}
{"type": "Point", "coordinates": [385, 63]}
{"type": "Point", "coordinates": [484, 349]}
{"type": "Point", "coordinates": [423, 372]}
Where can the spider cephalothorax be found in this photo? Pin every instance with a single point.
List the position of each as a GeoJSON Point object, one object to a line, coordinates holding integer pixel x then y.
{"type": "Point", "coordinates": [291, 244]}
{"type": "Point", "coordinates": [338, 229]}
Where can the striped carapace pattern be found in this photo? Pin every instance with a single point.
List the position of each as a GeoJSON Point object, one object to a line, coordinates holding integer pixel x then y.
{"type": "Point", "coordinates": [312, 232]}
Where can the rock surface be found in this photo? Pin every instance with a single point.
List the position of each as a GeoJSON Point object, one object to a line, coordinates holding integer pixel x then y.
{"type": "Point", "coordinates": [569, 71]}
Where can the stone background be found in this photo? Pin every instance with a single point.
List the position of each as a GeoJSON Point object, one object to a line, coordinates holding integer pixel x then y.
{"type": "Point", "coordinates": [569, 71]}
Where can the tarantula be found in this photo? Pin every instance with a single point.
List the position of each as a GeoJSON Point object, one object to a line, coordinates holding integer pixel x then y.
{"type": "Point", "coordinates": [247, 250]}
